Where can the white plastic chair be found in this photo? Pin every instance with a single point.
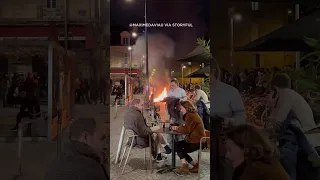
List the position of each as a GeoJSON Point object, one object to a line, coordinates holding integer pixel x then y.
{"type": "Point", "coordinates": [203, 139]}
{"type": "Point", "coordinates": [131, 136]}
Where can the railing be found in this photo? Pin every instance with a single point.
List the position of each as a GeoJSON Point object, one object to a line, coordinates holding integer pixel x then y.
{"type": "Point", "coordinates": [51, 13]}
{"type": "Point", "coordinates": [48, 14]}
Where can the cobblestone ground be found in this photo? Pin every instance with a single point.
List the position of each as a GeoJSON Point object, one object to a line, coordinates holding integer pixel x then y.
{"type": "Point", "coordinates": [36, 157]}
{"type": "Point", "coordinates": [135, 168]}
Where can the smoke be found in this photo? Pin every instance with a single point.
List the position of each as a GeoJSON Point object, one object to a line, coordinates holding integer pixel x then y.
{"type": "Point", "coordinates": [161, 50]}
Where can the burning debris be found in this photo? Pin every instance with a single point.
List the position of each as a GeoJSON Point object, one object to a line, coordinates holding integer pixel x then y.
{"type": "Point", "coordinates": [162, 96]}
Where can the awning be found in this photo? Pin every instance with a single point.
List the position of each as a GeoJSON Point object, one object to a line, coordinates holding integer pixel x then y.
{"type": "Point", "coordinates": [195, 56]}
{"type": "Point", "coordinates": [288, 38]}
{"type": "Point", "coordinates": [123, 71]}
{"type": "Point", "coordinates": [201, 73]}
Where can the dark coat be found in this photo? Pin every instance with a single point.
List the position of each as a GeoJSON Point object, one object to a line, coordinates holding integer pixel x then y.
{"type": "Point", "coordinates": [77, 161]}
{"type": "Point", "coordinates": [260, 170]}
{"type": "Point", "coordinates": [298, 156]}
{"type": "Point", "coordinates": [204, 113]}
{"type": "Point", "coordinates": [135, 121]}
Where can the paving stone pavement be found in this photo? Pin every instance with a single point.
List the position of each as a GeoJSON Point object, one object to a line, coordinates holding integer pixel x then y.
{"type": "Point", "coordinates": [135, 168]}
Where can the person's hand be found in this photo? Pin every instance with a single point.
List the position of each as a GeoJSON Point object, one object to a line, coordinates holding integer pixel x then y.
{"type": "Point", "coordinates": [174, 128]}
{"type": "Point", "coordinates": [226, 122]}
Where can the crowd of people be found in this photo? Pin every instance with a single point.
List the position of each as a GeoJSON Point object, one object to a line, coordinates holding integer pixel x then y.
{"type": "Point", "coordinates": [88, 92]}
{"type": "Point", "coordinates": [253, 153]}
{"type": "Point", "coordinates": [23, 92]}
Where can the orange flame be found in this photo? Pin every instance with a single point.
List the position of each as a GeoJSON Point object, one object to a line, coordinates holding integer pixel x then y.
{"type": "Point", "coordinates": [161, 97]}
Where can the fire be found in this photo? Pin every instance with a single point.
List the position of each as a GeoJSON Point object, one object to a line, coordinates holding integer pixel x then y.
{"type": "Point", "coordinates": [161, 97]}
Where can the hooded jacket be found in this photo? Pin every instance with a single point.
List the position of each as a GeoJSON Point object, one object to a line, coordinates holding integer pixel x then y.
{"type": "Point", "coordinates": [204, 113]}
{"type": "Point", "coordinates": [298, 157]}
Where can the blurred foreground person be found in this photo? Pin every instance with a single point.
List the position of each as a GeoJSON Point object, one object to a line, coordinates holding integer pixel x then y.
{"type": "Point", "coordinates": [253, 156]}
{"type": "Point", "coordinates": [81, 158]}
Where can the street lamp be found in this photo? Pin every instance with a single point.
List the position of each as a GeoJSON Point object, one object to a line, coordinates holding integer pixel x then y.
{"type": "Point", "coordinates": [182, 67]}
{"type": "Point", "coordinates": [234, 17]}
{"type": "Point", "coordinates": [134, 34]}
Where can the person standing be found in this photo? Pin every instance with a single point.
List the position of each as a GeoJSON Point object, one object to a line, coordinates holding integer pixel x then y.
{"type": "Point", "coordinates": [102, 90]}
{"type": "Point", "coordinates": [229, 107]}
{"type": "Point", "coordinates": [176, 91]}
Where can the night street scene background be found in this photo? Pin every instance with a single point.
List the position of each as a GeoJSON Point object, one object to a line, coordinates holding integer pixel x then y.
{"type": "Point", "coordinates": [230, 91]}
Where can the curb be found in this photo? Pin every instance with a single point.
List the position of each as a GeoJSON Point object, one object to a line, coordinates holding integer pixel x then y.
{"type": "Point", "coordinates": [24, 139]}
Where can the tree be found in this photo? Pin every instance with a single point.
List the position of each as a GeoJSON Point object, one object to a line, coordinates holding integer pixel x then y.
{"type": "Point", "coordinates": [207, 54]}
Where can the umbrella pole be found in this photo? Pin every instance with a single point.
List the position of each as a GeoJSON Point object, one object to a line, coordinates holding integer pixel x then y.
{"type": "Point", "coordinates": [297, 16]}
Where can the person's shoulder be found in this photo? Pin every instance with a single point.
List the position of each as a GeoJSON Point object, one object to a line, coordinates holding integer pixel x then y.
{"type": "Point", "coordinates": [181, 89]}
{"type": "Point", "coordinates": [229, 88]}
{"type": "Point", "coordinates": [273, 170]}
{"type": "Point", "coordinates": [193, 116]}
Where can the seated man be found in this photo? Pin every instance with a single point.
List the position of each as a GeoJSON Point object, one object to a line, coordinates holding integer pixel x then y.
{"type": "Point", "coordinates": [200, 94]}
{"type": "Point", "coordinates": [135, 121]}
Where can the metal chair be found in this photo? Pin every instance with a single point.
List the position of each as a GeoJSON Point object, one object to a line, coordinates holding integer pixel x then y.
{"type": "Point", "coordinates": [131, 136]}
{"type": "Point", "coordinates": [203, 139]}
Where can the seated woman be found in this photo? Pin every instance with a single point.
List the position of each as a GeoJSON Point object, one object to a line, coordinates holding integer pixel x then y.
{"type": "Point", "coordinates": [194, 130]}
{"type": "Point", "coordinates": [253, 156]}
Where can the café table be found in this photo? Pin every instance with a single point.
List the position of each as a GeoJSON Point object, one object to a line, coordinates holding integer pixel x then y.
{"type": "Point", "coordinates": [173, 134]}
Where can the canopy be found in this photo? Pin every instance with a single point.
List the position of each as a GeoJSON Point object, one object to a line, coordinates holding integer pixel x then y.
{"type": "Point", "coordinates": [289, 37]}
{"type": "Point", "coordinates": [196, 56]}
{"type": "Point", "coordinates": [201, 73]}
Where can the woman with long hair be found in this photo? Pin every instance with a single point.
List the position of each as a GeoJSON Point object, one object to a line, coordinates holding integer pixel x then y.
{"type": "Point", "coordinates": [253, 155]}
{"type": "Point", "coordinates": [194, 131]}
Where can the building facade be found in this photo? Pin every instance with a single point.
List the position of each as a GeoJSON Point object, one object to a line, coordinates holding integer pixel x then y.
{"type": "Point", "coordinates": [120, 56]}
{"type": "Point", "coordinates": [50, 19]}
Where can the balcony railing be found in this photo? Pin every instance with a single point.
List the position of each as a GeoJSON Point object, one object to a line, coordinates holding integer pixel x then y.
{"type": "Point", "coordinates": [52, 13]}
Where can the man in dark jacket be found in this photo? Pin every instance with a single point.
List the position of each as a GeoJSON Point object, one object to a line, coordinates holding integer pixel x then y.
{"type": "Point", "coordinates": [135, 121]}
{"type": "Point", "coordinates": [29, 107]}
{"type": "Point", "coordinates": [81, 158]}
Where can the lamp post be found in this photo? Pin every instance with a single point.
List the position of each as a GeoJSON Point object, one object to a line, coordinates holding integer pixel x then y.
{"type": "Point", "coordinates": [182, 67]}
{"type": "Point", "coordinates": [234, 17]}
{"type": "Point", "coordinates": [130, 73]}
{"type": "Point", "coordinates": [172, 73]}
{"type": "Point", "coordinates": [146, 53]}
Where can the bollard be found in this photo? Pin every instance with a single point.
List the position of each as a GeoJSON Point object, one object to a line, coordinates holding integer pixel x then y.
{"type": "Point", "coordinates": [116, 108]}
{"type": "Point", "coordinates": [59, 131]}
{"type": "Point", "coordinates": [120, 145]}
{"type": "Point", "coordinates": [20, 134]}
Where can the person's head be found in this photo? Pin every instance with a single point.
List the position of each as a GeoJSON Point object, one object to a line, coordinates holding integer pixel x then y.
{"type": "Point", "coordinates": [247, 144]}
{"type": "Point", "coordinates": [187, 107]}
{"type": "Point", "coordinates": [30, 75]}
{"type": "Point", "coordinates": [197, 87]}
{"type": "Point", "coordinates": [281, 81]}
{"type": "Point", "coordinates": [138, 103]}
{"type": "Point", "coordinates": [87, 131]}
{"type": "Point", "coordinates": [192, 92]}
{"type": "Point", "coordinates": [174, 84]}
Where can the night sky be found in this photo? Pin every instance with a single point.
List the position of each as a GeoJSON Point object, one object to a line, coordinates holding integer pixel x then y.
{"type": "Point", "coordinates": [166, 11]}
